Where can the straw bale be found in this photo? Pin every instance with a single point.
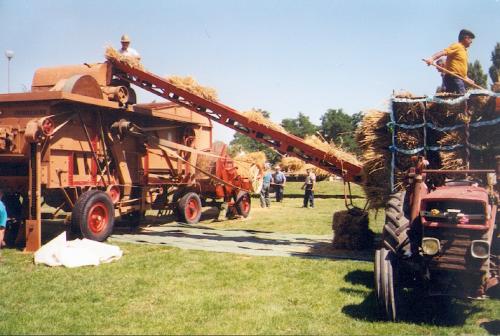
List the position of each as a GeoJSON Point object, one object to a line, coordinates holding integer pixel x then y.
{"type": "Point", "coordinates": [482, 107]}
{"type": "Point", "coordinates": [259, 118]}
{"type": "Point", "coordinates": [291, 164]}
{"type": "Point", "coordinates": [189, 84]}
{"type": "Point", "coordinates": [374, 139]}
{"type": "Point", "coordinates": [112, 54]}
{"type": "Point", "coordinates": [245, 162]}
{"type": "Point", "coordinates": [447, 114]}
{"type": "Point", "coordinates": [409, 138]}
{"type": "Point", "coordinates": [351, 230]}
{"type": "Point", "coordinates": [408, 112]}
{"type": "Point", "coordinates": [331, 149]}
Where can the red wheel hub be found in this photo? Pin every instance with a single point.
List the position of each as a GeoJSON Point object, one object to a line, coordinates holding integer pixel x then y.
{"type": "Point", "coordinates": [192, 209]}
{"type": "Point", "coordinates": [245, 204]}
{"type": "Point", "coordinates": [48, 126]}
{"type": "Point", "coordinates": [98, 217]}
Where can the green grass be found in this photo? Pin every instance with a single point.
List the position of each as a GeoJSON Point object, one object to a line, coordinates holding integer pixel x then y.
{"type": "Point", "coordinates": [163, 290]}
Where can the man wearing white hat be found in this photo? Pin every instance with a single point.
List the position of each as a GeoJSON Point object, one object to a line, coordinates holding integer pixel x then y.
{"type": "Point", "coordinates": [126, 50]}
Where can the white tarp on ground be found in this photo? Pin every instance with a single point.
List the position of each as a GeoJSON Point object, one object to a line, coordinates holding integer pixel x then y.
{"type": "Point", "coordinates": [76, 253]}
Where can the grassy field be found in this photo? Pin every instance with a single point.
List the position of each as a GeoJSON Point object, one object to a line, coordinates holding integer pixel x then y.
{"type": "Point", "coordinates": [163, 290]}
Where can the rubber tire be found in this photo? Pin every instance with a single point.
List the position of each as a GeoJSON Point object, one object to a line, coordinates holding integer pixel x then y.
{"type": "Point", "coordinates": [396, 218]}
{"type": "Point", "coordinates": [80, 213]}
{"type": "Point", "coordinates": [181, 207]}
{"type": "Point", "coordinates": [239, 204]}
{"type": "Point", "coordinates": [389, 284]}
{"type": "Point", "coordinates": [377, 273]}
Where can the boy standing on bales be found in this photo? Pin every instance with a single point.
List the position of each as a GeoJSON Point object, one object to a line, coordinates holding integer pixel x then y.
{"type": "Point", "coordinates": [457, 61]}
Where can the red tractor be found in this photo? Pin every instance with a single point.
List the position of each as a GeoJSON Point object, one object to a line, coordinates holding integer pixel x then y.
{"type": "Point", "coordinates": [443, 240]}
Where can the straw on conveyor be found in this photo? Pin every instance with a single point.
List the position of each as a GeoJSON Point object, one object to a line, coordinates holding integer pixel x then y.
{"type": "Point", "coordinates": [112, 54]}
{"type": "Point", "coordinates": [188, 83]}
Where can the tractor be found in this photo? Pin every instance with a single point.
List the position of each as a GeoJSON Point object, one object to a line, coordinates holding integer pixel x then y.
{"type": "Point", "coordinates": [441, 240]}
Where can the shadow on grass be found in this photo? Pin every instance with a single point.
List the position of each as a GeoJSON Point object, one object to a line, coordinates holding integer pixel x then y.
{"type": "Point", "coordinates": [415, 307]}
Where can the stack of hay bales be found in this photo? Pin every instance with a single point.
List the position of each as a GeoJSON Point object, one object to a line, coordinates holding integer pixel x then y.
{"type": "Point", "coordinates": [112, 54]}
{"type": "Point", "coordinates": [435, 127]}
{"type": "Point", "coordinates": [351, 231]}
{"type": "Point", "coordinates": [478, 149]}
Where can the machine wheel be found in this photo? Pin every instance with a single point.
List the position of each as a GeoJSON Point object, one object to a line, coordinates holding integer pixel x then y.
{"type": "Point", "coordinates": [377, 273]}
{"type": "Point", "coordinates": [243, 203]}
{"type": "Point", "coordinates": [189, 208]}
{"type": "Point", "coordinates": [397, 223]}
{"type": "Point", "coordinates": [386, 283]}
{"type": "Point", "coordinates": [94, 214]}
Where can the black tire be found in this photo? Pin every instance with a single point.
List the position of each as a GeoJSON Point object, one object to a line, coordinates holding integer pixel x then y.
{"type": "Point", "coordinates": [189, 208]}
{"type": "Point", "coordinates": [94, 214]}
{"type": "Point", "coordinates": [397, 223]}
{"type": "Point", "coordinates": [243, 203]}
{"type": "Point", "coordinates": [377, 273]}
{"type": "Point", "coordinates": [388, 286]}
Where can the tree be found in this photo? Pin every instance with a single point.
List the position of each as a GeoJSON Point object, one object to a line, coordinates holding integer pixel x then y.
{"type": "Point", "coordinates": [475, 72]}
{"type": "Point", "coordinates": [300, 126]}
{"type": "Point", "coordinates": [339, 127]}
{"type": "Point", "coordinates": [495, 67]}
{"type": "Point", "coordinates": [243, 143]}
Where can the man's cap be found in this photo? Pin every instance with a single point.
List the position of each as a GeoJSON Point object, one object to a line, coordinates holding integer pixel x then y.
{"type": "Point", "coordinates": [125, 38]}
{"type": "Point", "coordinates": [464, 32]}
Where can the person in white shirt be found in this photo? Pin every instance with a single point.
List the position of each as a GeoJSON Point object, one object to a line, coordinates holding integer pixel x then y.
{"type": "Point", "coordinates": [126, 50]}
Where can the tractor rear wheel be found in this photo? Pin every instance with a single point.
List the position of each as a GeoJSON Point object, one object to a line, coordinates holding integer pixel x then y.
{"type": "Point", "coordinates": [243, 203]}
{"type": "Point", "coordinates": [189, 208]}
{"type": "Point", "coordinates": [386, 283]}
{"type": "Point", "coordinates": [94, 214]}
{"type": "Point", "coordinates": [397, 223]}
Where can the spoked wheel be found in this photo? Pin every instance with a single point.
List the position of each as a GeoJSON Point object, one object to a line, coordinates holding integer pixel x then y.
{"type": "Point", "coordinates": [94, 215]}
{"type": "Point", "coordinates": [189, 208]}
{"type": "Point", "coordinates": [243, 203]}
{"type": "Point", "coordinates": [386, 283]}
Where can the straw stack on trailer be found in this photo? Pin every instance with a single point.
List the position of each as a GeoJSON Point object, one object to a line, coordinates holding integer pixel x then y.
{"type": "Point", "coordinates": [374, 139]}
{"type": "Point", "coordinates": [451, 131]}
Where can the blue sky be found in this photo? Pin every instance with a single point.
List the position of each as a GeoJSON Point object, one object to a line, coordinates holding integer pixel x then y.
{"type": "Point", "coordinates": [282, 56]}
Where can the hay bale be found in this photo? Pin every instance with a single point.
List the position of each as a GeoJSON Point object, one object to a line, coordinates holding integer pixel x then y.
{"type": "Point", "coordinates": [113, 55]}
{"type": "Point", "coordinates": [351, 230]}
{"type": "Point", "coordinates": [257, 117]}
{"type": "Point", "coordinates": [291, 164]}
{"type": "Point", "coordinates": [245, 161]}
{"type": "Point", "coordinates": [189, 84]}
{"type": "Point", "coordinates": [331, 149]}
{"type": "Point", "coordinates": [408, 112]}
{"type": "Point", "coordinates": [374, 139]}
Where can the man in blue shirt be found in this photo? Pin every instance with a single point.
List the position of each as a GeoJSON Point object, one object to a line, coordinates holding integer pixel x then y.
{"type": "Point", "coordinates": [279, 183]}
{"type": "Point", "coordinates": [3, 220]}
{"type": "Point", "coordinates": [267, 179]}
